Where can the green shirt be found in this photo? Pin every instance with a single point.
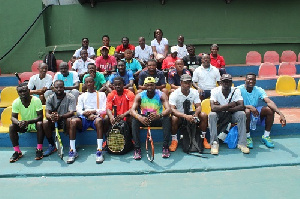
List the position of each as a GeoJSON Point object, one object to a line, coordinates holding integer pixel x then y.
{"type": "Point", "coordinates": [99, 80]}
{"type": "Point", "coordinates": [28, 113]}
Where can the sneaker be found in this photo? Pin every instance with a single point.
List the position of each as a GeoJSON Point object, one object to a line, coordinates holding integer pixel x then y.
{"type": "Point", "coordinates": [222, 136]}
{"type": "Point", "coordinates": [206, 144]}
{"type": "Point", "coordinates": [51, 149]}
{"type": "Point", "coordinates": [99, 156]}
{"type": "Point", "coordinates": [38, 154]}
{"type": "Point", "coordinates": [267, 141]}
{"type": "Point", "coordinates": [72, 156]}
{"type": "Point", "coordinates": [249, 143]}
{"type": "Point", "coordinates": [137, 154]}
{"type": "Point", "coordinates": [243, 148]}
{"type": "Point", "coordinates": [214, 148]}
{"type": "Point", "coordinates": [15, 157]}
{"type": "Point", "coordinates": [173, 145]}
{"type": "Point", "coordinates": [165, 152]}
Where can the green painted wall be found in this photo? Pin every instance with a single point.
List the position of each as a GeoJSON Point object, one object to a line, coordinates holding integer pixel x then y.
{"type": "Point", "coordinates": [238, 27]}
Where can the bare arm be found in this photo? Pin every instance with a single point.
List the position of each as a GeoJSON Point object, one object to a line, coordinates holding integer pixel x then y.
{"type": "Point", "coordinates": [274, 108]}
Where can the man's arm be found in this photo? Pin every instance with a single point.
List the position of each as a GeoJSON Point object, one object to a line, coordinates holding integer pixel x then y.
{"type": "Point", "coordinates": [274, 108]}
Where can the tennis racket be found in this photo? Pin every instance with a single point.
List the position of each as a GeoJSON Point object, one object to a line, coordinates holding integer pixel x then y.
{"type": "Point", "coordinates": [115, 139]}
{"type": "Point", "coordinates": [149, 144]}
{"type": "Point", "coordinates": [58, 143]}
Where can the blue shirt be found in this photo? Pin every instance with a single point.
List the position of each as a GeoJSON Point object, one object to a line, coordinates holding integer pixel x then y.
{"type": "Point", "coordinates": [134, 65]}
{"type": "Point", "coordinates": [127, 77]}
{"type": "Point", "coordinates": [174, 78]}
{"type": "Point", "coordinates": [158, 76]}
{"type": "Point", "coordinates": [253, 97]}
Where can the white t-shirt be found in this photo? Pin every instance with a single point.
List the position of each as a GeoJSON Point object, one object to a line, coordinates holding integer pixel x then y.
{"type": "Point", "coordinates": [206, 78]}
{"type": "Point", "coordinates": [81, 66]}
{"type": "Point", "coordinates": [182, 51]}
{"type": "Point", "coordinates": [217, 95]}
{"type": "Point", "coordinates": [88, 101]}
{"type": "Point", "coordinates": [160, 47]}
{"type": "Point", "coordinates": [39, 83]}
{"type": "Point", "coordinates": [177, 99]}
{"type": "Point", "coordinates": [90, 51]}
{"type": "Point", "coordinates": [141, 54]}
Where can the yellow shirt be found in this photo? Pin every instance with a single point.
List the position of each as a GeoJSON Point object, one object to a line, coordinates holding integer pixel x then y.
{"type": "Point", "coordinates": [110, 52]}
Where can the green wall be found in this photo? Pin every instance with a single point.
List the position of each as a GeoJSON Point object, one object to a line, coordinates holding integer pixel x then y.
{"type": "Point", "coordinates": [238, 27]}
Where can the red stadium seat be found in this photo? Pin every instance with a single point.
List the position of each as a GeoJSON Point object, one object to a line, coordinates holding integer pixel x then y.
{"type": "Point", "coordinates": [253, 58]}
{"type": "Point", "coordinates": [70, 65]}
{"type": "Point", "coordinates": [25, 76]}
{"type": "Point", "coordinates": [287, 68]}
{"type": "Point", "coordinates": [272, 57]}
{"type": "Point", "coordinates": [288, 56]}
{"type": "Point", "coordinates": [35, 66]}
{"type": "Point", "coordinates": [58, 62]}
{"type": "Point", "coordinates": [267, 70]}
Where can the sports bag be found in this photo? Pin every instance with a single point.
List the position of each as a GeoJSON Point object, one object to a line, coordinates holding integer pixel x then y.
{"type": "Point", "coordinates": [50, 60]}
{"type": "Point", "coordinates": [232, 137]}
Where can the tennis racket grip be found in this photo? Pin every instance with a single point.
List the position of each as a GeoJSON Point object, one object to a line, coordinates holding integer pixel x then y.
{"type": "Point", "coordinates": [115, 110]}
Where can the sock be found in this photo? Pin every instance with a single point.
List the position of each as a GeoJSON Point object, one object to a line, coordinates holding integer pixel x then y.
{"type": "Point", "coordinates": [99, 143]}
{"type": "Point", "coordinates": [248, 135]}
{"type": "Point", "coordinates": [72, 145]}
{"type": "Point", "coordinates": [51, 141]}
{"type": "Point", "coordinates": [267, 133]}
{"type": "Point", "coordinates": [17, 148]}
{"type": "Point", "coordinates": [40, 146]}
{"type": "Point", "coordinates": [203, 133]}
{"type": "Point", "coordinates": [174, 137]}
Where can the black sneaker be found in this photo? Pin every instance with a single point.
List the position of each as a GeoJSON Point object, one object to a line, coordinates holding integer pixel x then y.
{"type": "Point", "coordinates": [38, 154]}
{"type": "Point", "coordinates": [15, 157]}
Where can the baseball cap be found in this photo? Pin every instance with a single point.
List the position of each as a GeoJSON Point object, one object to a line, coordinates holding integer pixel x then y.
{"type": "Point", "coordinates": [185, 77]}
{"type": "Point", "coordinates": [174, 49]}
{"type": "Point", "coordinates": [149, 80]}
{"type": "Point", "coordinates": [104, 47]}
{"type": "Point", "coordinates": [226, 77]}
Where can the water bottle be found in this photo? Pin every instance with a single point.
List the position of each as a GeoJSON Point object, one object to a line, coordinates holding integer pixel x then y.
{"type": "Point", "coordinates": [253, 122]}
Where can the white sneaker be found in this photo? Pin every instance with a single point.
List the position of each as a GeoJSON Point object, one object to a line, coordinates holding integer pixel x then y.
{"type": "Point", "coordinates": [99, 157]}
{"type": "Point", "coordinates": [214, 148]}
{"type": "Point", "coordinates": [222, 136]}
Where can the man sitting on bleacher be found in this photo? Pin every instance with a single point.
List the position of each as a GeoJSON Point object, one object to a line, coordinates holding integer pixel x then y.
{"type": "Point", "coordinates": [251, 95]}
{"type": "Point", "coordinates": [31, 112]}
{"type": "Point", "coordinates": [175, 74]}
{"type": "Point", "coordinates": [81, 65]}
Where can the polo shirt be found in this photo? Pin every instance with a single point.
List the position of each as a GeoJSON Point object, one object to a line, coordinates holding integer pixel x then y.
{"type": "Point", "coordinates": [111, 51]}
{"type": "Point", "coordinates": [81, 66]}
{"type": "Point", "coordinates": [133, 65]}
{"type": "Point", "coordinates": [218, 62]}
{"type": "Point", "coordinates": [105, 64]}
{"type": "Point", "coordinates": [158, 76]}
{"type": "Point", "coordinates": [192, 62]}
{"type": "Point", "coordinates": [169, 62]}
{"type": "Point", "coordinates": [67, 104]}
{"type": "Point", "coordinates": [127, 77]}
{"type": "Point", "coordinates": [217, 95]}
{"type": "Point", "coordinates": [69, 80]}
{"type": "Point", "coordinates": [123, 102]}
{"type": "Point", "coordinates": [90, 52]}
{"type": "Point", "coordinates": [206, 78]}
{"type": "Point", "coordinates": [174, 78]}
{"type": "Point", "coordinates": [120, 48]}
{"type": "Point", "coordinates": [177, 98]}
{"type": "Point", "coordinates": [141, 54]}
{"type": "Point", "coordinates": [253, 97]}
{"type": "Point", "coordinates": [38, 83]}
{"type": "Point", "coordinates": [182, 51]}
{"type": "Point", "coordinates": [88, 101]}
{"type": "Point", "coordinates": [160, 47]}
{"type": "Point", "coordinates": [99, 80]}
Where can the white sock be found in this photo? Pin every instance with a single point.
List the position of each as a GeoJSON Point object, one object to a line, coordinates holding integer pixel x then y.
{"type": "Point", "coordinates": [203, 133]}
{"type": "Point", "coordinates": [267, 133]}
{"type": "Point", "coordinates": [248, 135]}
{"type": "Point", "coordinates": [72, 145]}
{"type": "Point", "coordinates": [174, 137]}
{"type": "Point", "coordinates": [99, 143]}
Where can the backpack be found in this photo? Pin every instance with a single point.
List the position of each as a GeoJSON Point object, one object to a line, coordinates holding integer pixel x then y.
{"type": "Point", "coordinates": [50, 60]}
{"type": "Point", "coordinates": [232, 138]}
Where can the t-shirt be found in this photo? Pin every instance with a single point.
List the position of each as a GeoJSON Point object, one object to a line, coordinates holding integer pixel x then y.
{"type": "Point", "coordinates": [38, 83]}
{"type": "Point", "coordinates": [192, 62]}
{"type": "Point", "coordinates": [90, 51]}
{"type": "Point", "coordinates": [141, 54]}
{"type": "Point", "coordinates": [99, 80]}
{"type": "Point", "coordinates": [151, 104]}
{"type": "Point", "coordinates": [105, 64]}
{"type": "Point", "coordinates": [120, 48]}
{"type": "Point", "coordinates": [82, 66]}
{"type": "Point", "coordinates": [206, 78]}
{"type": "Point", "coordinates": [169, 62]}
{"type": "Point", "coordinates": [67, 104]}
{"type": "Point", "coordinates": [182, 51]}
{"type": "Point", "coordinates": [217, 95]}
{"type": "Point", "coordinates": [127, 77]}
{"type": "Point", "coordinates": [28, 113]}
{"type": "Point", "coordinates": [174, 78]}
{"type": "Point", "coordinates": [69, 80]}
{"type": "Point", "coordinates": [111, 51]}
{"type": "Point", "coordinates": [133, 65]}
{"type": "Point", "coordinates": [177, 98]}
{"type": "Point", "coordinates": [158, 76]}
{"type": "Point", "coordinates": [218, 62]}
{"type": "Point", "coordinates": [253, 97]}
{"type": "Point", "coordinates": [160, 47]}
{"type": "Point", "coordinates": [88, 101]}
{"type": "Point", "coordinates": [123, 102]}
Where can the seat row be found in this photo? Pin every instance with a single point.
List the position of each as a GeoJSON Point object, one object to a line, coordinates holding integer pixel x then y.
{"type": "Point", "coordinates": [254, 57]}
{"type": "Point", "coordinates": [269, 70]}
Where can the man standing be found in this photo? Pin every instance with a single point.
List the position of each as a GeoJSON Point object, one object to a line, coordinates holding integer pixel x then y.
{"type": "Point", "coordinates": [175, 74]}
{"type": "Point", "coordinates": [151, 100]}
{"type": "Point", "coordinates": [265, 115]}
{"type": "Point", "coordinates": [31, 112]}
{"type": "Point", "coordinates": [143, 52]}
{"type": "Point", "coordinates": [227, 101]}
{"type": "Point", "coordinates": [80, 65]}
{"type": "Point", "coordinates": [60, 107]}
{"type": "Point", "coordinates": [177, 99]}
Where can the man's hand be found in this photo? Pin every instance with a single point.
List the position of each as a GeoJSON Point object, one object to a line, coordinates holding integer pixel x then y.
{"type": "Point", "coordinates": [23, 124]}
{"type": "Point", "coordinates": [54, 117]}
{"type": "Point", "coordinates": [144, 120]}
{"type": "Point", "coordinates": [92, 117]}
{"type": "Point", "coordinates": [254, 111]}
{"type": "Point", "coordinates": [119, 117]}
{"type": "Point", "coordinates": [282, 120]}
{"type": "Point", "coordinates": [231, 104]}
{"type": "Point", "coordinates": [153, 116]}
{"type": "Point", "coordinates": [190, 118]}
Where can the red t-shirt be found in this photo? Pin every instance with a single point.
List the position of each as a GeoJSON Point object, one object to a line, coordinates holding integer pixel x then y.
{"type": "Point", "coordinates": [105, 64]}
{"type": "Point", "coordinates": [219, 62]}
{"type": "Point", "coordinates": [120, 48]}
{"type": "Point", "coordinates": [123, 103]}
{"type": "Point", "coordinates": [169, 62]}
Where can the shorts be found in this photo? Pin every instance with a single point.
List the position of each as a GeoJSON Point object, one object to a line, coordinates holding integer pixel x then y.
{"type": "Point", "coordinates": [260, 121]}
{"type": "Point", "coordinates": [87, 123]}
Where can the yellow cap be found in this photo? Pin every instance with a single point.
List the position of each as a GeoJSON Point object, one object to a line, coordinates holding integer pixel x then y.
{"type": "Point", "coordinates": [149, 80]}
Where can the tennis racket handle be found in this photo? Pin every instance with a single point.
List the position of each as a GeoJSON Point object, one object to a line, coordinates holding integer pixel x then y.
{"type": "Point", "coordinates": [115, 110]}
{"type": "Point", "coordinates": [148, 113]}
{"type": "Point", "coordinates": [56, 126]}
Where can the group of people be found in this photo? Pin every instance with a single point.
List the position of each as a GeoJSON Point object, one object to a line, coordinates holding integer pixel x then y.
{"type": "Point", "coordinates": [111, 81]}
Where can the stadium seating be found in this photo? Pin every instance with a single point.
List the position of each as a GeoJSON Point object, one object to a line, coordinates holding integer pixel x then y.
{"type": "Point", "coordinates": [272, 57]}
{"type": "Point", "coordinates": [253, 58]}
{"type": "Point", "coordinates": [5, 120]}
{"type": "Point", "coordinates": [267, 70]}
{"type": "Point", "coordinates": [8, 95]}
{"type": "Point", "coordinates": [286, 85]}
{"type": "Point", "coordinates": [287, 68]}
{"type": "Point", "coordinates": [58, 62]}
{"type": "Point", "coordinates": [288, 56]}
{"type": "Point", "coordinates": [205, 106]}
{"type": "Point", "coordinates": [25, 76]}
{"type": "Point", "coordinates": [35, 66]}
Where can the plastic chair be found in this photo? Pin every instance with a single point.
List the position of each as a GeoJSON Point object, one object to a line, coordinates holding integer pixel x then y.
{"type": "Point", "coordinates": [267, 70]}
{"type": "Point", "coordinates": [25, 76]}
{"type": "Point", "coordinates": [58, 62]}
{"type": "Point", "coordinates": [35, 66]}
{"type": "Point", "coordinates": [288, 56]}
{"type": "Point", "coordinates": [253, 58]}
{"type": "Point", "coordinates": [287, 68]}
{"type": "Point", "coordinates": [286, 85]}
{"type": "Point", "coordinates": [205, 106]}
{"type": "Point", "coordinates": [5, 120]}
{"type": "Point", "coordinates": [298, 85]}
{"type": "Point", "coordinates": [8, 95]}
{"type": "Point", "coordinates": [272, 57]}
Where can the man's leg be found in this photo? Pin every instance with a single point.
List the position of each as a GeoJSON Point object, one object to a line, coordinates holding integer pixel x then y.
{"type": "Point", "coordinates": [40, 138]}
{"type": "Point", "coordinates": [175, 124]}
{"type": "Point", "coordinates": [99, 128]}
{"type": "Point", "coordinates": [267, 114]}
{"type": "Point", "coordinates": [14, 137]}
{"type": "Point", "coordinates": [212, 124]}
{"type": "Point", "coordinates": [203, 127]}
{"type": "Point", "coordinates": [239, 117]}
{"type": "Point", "coordinates": [165, 122]}
{"type": "Point", "coordinates": [248, 119]}
{"type": "Point", "coordinates": [136, 138]}
{"type": "Point", "coordinates": [74, 124]}
{"type": "Point", "coordinates": [48, 127]}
